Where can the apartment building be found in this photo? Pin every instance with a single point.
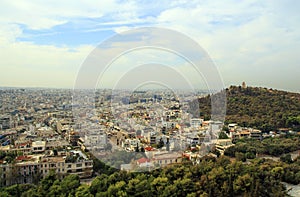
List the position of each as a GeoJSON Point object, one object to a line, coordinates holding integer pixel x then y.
{"type": "Point", "coordinates": [30, 168]}
{"type": "Point", "coordinates": [223, 144]}
{"type": "Point", "coordinates": [95, 141]}
{"type": "Point", "coordinates": [196, 122]}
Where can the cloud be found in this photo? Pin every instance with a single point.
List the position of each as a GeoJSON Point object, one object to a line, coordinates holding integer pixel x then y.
{"type": "Point", "coordinates": [39, 15]}
{"type": "Point", "coordinates": [25, 64]}
{"type": "Point", "coordinates": [244, 40]}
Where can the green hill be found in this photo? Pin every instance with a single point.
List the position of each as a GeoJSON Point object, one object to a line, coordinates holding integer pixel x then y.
{"type": "Point", "coordinates": [262, 108]}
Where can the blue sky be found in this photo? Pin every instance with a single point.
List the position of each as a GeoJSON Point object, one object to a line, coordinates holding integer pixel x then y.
{"type": "Point", "coordinates": [44, 43]}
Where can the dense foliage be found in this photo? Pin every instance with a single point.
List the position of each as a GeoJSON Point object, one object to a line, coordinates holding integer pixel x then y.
{"type": "Point", "coordinates": [269, 146]}
{"type": "Point", "coordinates": [283, 146]}
{"type": "Point", "coordinates": [212, 177]}
{"type": "Point", "coordinates": [261, 108]}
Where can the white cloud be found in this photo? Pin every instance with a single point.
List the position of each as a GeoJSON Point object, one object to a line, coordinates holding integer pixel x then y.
{"type": "Point", "coordinates": [41, 15]}
{"type": "Point", "coordinates": [242, 37]}
{"type": "Point", "coordinates": [26, 64]}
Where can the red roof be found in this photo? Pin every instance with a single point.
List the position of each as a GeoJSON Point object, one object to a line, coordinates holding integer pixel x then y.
{"type": "Point", "coordinates": [148, 148]}
{"type": "Point", "coordinates": [23, 144]}
{"type": "Point", "coordinates": [23, 157]}
{"type": "Point", "coordinates": [142, 160]}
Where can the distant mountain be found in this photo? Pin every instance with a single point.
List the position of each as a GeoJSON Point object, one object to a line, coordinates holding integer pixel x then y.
{"type": "Point", "coordinates": [261, 108]}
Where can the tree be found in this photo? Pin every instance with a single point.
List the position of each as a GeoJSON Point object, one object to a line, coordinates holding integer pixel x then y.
{"type": "Point", "coordinates": [30, 193]}
{"type": "Point", "coordinates": [277, 172]}
{"type": "Point", "coordinates": [242, 184]}
{"type": "Point", "coordinates": [230, 151]}
{"type": "Point", "coordinates": [46, 183]}
{"type": "Point", "coordinates": [250, 155]}
{"type": "Point", "coordinates": [287, 158]}
{"type": "Point", "coordinates": [212, 177]}
{"type": "Point", "coordinates": [117, 189]}
{"type": "Point", "coordinates": [240, 156]}
{"type": "Point", "coordinates": [56, 190]}
{"type": "Point", "coordinates": [13, 190]}
{"type": "Point", "coordinates": [260, 108]}
{"type": "Point", "coordinates": [161, 143]}
{"type": "Point", "coordinates": [137, 149]}
{"type": "Point", "coordinates": [138, 187]}
{"type": "Point", "coordinates": [83, 191]}
{"type": "Point", "coordinates": [4, 194]}
{"type": "Point", "coordinates": [223, 135]}
{"type": "Point", "coordinates": [99, 184]}
{"type": "Point", "coordinates": [69, 184]}
{"type": "Point", "coordinates": [158, 185]}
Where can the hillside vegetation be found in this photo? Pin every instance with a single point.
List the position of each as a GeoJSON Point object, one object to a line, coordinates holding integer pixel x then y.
{"type": "Point", "coordinates": [261, 108]}
{"type": "Point", "coordinates": [212, 177]}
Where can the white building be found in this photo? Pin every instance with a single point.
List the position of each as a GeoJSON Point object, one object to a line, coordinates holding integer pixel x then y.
{"type": "Point", "coordinates": [38, 146]}
{"type": "Point", "coordinates": [196, 122]}
{"type": "Point", "coordinates": [95, 141]}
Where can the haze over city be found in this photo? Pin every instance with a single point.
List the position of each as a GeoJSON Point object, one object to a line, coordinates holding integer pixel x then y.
{"type": "Point", "coordinates": [149, 98]}
{"type": "Point", "coordinates": [45, 44]}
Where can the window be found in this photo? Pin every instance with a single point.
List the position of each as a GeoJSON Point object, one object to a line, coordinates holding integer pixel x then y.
{"type": "Point", "coordinates": [79, 165]}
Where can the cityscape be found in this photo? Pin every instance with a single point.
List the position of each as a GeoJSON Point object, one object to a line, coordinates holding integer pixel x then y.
{"type": "Point", "coordinates": [149, 98]}
{"type": "Point", "coordinates": [43, 130]}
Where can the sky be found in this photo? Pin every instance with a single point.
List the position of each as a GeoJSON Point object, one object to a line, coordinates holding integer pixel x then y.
{"type": "Point", "coordinates": [46, 43]}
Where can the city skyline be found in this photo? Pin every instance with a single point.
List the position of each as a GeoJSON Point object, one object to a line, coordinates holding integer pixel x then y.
{"type": "Point", "coordinates": [45, 45]}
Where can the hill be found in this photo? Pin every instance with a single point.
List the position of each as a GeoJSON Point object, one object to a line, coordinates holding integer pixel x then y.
{"type": "Point", "coordinates": [261, 108]}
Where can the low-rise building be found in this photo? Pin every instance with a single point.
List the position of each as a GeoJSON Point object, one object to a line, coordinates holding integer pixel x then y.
{"type": "Point", "coordinates": [256, 134]}
{"type": "Point", "coordinates": [223, 144]}
{"type": "Point", "coordinates": [196, 122]}
{"type": "Point", "coordinates": [38, 146]}
{"type": "Point", "coordinates": [167, 159]}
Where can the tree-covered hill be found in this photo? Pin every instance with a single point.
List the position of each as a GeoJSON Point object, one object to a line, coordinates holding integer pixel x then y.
{"type": "Point", "coordinates": [262, 108]}
{"type": "Point", "coordinates": [212, 177]}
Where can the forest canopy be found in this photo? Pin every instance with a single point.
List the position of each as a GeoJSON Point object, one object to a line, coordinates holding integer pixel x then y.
{"type": "Point", "coordinates": [261, 108]}
{"type": "Point", "coordinates": [211, 177]}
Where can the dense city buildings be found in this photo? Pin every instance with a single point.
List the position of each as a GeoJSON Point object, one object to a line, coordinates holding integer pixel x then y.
{"type": "Point", "coordinates": [43, 130]}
